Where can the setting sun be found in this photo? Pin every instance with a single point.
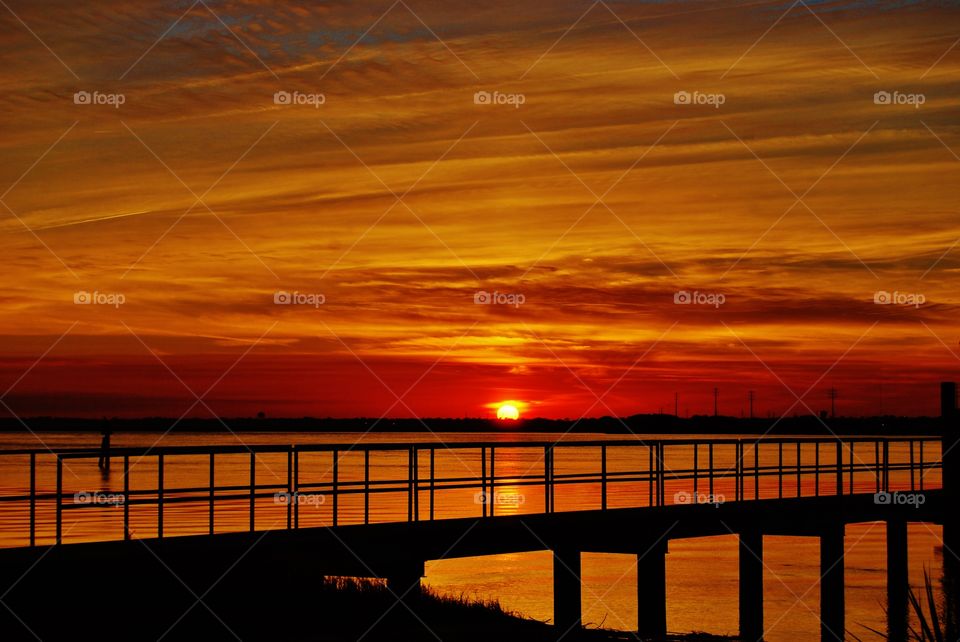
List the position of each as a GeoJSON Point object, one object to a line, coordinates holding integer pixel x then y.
{"type": "Point", "coordinates": [508, 411]}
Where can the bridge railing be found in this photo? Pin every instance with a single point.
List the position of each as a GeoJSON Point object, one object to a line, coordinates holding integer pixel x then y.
{"type": "Point", "coordinates": [156, 492]}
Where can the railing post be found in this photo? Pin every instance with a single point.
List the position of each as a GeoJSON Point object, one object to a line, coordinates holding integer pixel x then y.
{"type": "Point", "coordinates": [433, 452]}
{"type": "Point", "coordinates": [799, 470]}
{"type": "Point", "coordinates": [160, 496]}
{"type": "Point", "coordinates": [650, 473]}
{"type": "Point", "coordinates": [492, 499]}
{"type": "Point", "coordinates": [780, 470]}
{"type": "Point", "coordinates": [296, 488]}
{"type": "Point", "coordinates": [415, 454]}
{"type": "Point", "coordinates": [126, 497]}
{"type": "Point", "coordinates": [756, 469]}
{"type": "Point", "coordinates": [289, 487]}
{"type": "Point", "coordinates": [483, 481]}
{"type": "Point", "coordinates": [816, 468]}
{"type": "Point", "coordinates": [253, 489]}
{"type": "Point", "coordinates": [212, 485]}
{"type": "Point", "coordinates": [922, 473]}
{"type": "Point", "coordinates": [33, 499]}
{"type": "Point", "coordinates": [59, 499]}
{"type": "Point", "coordinates": [876, 463]}
{"type": "Point", "coordinates": [553, 487]}
{"type": "Point", "coordinates": [738, 470]}
{"type": "Point", "coordinates": [839, 467]}
{"type": "Point", "coordinates": [886, 466]}
{"type": "Point", "coordinates": [336, 483]}
{"type": "Point", "coordinates": [661, 492]}
{"type": "Point", "coordinates": [853, 445]}
{"type": "Point", "coordinates": [696, 465]}
{"type": "Point", "coordinates": [366, 486]}
{"type": "Point", "coordinates": [912, 472]}
{"type": "Point", "coordinates": [710, 463]}
{"type": "Point", "coordinates": [603, 477]}
{"type": "Point", "coordinates": [546, 479]}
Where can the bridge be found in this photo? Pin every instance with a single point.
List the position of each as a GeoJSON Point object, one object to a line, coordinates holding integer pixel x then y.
{"type": "Point", "coordinates": [384, 509]}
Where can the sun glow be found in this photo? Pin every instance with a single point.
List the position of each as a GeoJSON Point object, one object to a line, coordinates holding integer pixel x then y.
{"type": "Point", "coordinates": [508, 411]}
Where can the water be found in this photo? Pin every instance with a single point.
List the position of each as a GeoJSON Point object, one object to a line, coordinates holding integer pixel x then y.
{"type": "Point", "coordinates": [702, 573]}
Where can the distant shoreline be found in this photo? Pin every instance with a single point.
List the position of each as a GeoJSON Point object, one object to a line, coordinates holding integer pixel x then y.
{"type": "Point", "coordinates": [637, 424]}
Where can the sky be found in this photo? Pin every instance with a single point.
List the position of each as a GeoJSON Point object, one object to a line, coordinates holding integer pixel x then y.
{"type": "Point", "coordinates": [421, 208]}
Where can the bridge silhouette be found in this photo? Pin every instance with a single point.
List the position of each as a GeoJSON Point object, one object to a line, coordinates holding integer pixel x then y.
{"type": "Point", "coordinates": [384, 509]}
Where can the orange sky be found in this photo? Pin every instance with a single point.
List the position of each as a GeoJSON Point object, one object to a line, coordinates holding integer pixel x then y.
{"type": "Point", "coordinates": [597, 199]}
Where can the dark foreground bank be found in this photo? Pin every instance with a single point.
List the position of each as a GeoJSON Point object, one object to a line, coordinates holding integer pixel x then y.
{"type": "Point", "coordinates": [372, 612]}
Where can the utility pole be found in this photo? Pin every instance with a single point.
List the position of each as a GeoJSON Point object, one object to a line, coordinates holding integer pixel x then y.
{"type": "Point", "coordinates": [833, 402]}
{"type": "Point", "coordinates": [751, 404]}
{"type": "Point", "coordinates": [676, 404]}
{"type": "Point", "coordinates": [716, 396]}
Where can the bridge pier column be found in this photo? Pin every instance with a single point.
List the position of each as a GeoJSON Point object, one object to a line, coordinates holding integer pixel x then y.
{"type": "Point", "coordinates": [950, 458]}
{"type": "Point", "coordinates": [404, 582]}
{"type": "Point", "coordinates": [751, 586]}
{"type": "Point", "coordinates": [831, 585]}
{"type": "Point", "coordinates": [567, 587]}
{"type": "Point", "coordinates": [897, 580]}
{"type": "Point", "coordinates": [652, 592]}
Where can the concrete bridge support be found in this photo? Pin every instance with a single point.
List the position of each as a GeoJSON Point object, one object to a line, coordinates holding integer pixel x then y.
{"type": "Point", "coordinates": [950, 449]}
{"type": "Point", "coordinates": [831, 585]}
{"type": "Point", "coordinates": [751, 586]}
{"type": "Point", "coordinates": [897, 580]}
{"type": "Point", "coordinates": [404, 582]}
{"type": "Point", "coordinates": [652, 591]}
{"type": "Point", "coordinates": [567, 592]}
